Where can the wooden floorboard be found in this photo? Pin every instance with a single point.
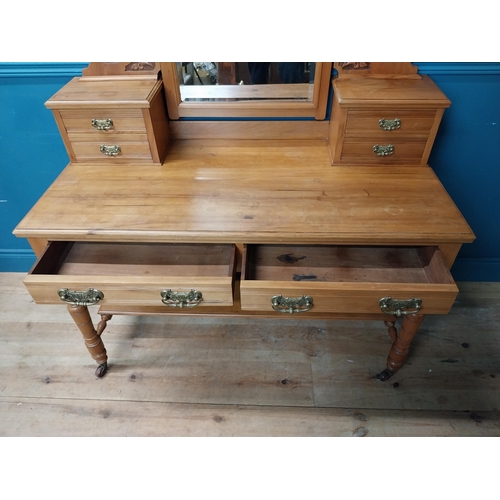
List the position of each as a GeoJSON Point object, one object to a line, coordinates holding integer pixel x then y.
{"type": "Point", "coordinates": [71, 417]}
{"type": "Point", "coordinates": [182, 376]}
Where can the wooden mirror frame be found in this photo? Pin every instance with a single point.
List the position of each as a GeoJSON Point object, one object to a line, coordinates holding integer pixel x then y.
{"type": "Point", "coordinates": [316, 108]}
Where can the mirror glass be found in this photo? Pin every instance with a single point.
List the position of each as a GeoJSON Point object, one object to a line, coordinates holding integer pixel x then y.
{"type": "Point", "coordinates": [244, 81]}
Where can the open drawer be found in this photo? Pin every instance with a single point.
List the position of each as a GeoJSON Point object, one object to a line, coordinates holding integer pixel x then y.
{"type": "Point", "coordinates": [346, 279]}
{"type": "Point", "coordinates": [134, 274]}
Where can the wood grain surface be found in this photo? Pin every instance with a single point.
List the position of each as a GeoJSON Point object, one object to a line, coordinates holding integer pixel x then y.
{"type": "Point", "coordinates": [212, 191]}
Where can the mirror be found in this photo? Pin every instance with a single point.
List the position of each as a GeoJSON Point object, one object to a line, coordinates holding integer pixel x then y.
{"type": "Point", "coordinates": [246, 89]}
{"type": "Point", "coordinates": [203, 81]}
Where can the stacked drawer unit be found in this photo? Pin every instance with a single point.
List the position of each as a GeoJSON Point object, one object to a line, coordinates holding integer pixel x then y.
{"type": "Point", "coordinates": [112, 120]}
{"type": "Point", "coordinates": [385, 121]}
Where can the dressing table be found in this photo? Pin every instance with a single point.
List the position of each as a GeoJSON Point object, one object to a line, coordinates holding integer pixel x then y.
{"type": "Point", "coordinates": [284, 211]}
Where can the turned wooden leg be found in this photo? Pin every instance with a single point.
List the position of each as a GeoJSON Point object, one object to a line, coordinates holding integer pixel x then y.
{"type": "Point", "coordinates": [401, 344]}
{"type": "Point", "coordinates": [103, 323]}
{"type": "Point", "coordinates": [93, 342]}
{"type": "Point", "coordinates": [391, 328]}
{"type": "Point", "coordinates": [400, 348]}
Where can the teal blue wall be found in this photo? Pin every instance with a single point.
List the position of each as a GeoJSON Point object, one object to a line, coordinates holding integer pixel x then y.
{"type": "Point", "coordinates": [466, 158]}
{"type": "Point", "coordinates": [466, 155]}
{"type": "Point", "coordinates": [31, 150]}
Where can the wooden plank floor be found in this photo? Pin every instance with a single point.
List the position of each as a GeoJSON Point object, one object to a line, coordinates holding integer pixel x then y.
{"type": "Point", "coordinates": [181, 376]}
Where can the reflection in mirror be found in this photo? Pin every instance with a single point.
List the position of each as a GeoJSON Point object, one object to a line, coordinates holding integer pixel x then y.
{"type": "Point", "coordinates": [202, 81]}
{"type": "Point", "coordinates": [212, 90]}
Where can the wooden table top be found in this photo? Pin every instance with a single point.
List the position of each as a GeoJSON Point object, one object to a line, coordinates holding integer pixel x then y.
{"type": "Point", "coordinates": [249, 192]}
{"type": "Point", "coordinates": [95, 94]}
{"type": "Point", "coordinates": [366, 92]}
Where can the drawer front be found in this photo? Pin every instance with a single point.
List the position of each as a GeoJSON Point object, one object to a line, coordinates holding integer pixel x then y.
{"type": "Point", "coordinates": [115, 149]}
{"type": "Point", "coordinates": [100, 122]}
{"type": "Point", "coordinates": [176, 276]}
{"type": "Point", "coordinates": [342, 298]}
{"type": "Point", "coordinates": [387, 151]}
{"type": "Point", "coordinates": [346, 280]}
{"type": "Point", "coordinates": [366, 123]}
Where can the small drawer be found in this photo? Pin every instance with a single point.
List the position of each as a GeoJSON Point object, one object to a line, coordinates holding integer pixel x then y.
{"type": "Point", "coordinates": [344, 279]}
{"type": "Point", "coordinates": [102, 122]}
{"type": "Point", "coordinates": [93, 112]}
{"type": "Point", "coordinates": [115, 149]}
{"type": "Point", "coordinates": [382, 150]}
{"type": "Point", "coordinates": [129, 274]}
{"type": "Point", "coordinates": [389, 123]}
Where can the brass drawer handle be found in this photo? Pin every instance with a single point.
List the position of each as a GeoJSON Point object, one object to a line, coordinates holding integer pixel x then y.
{"type": "Point", "coordinates": [113, 150]}
{"type": "Point", "coordinates": [398, 308]}
{"type": "Point", "coordinates": [105, 124]}
{"type": "Point", "coordinates": [181, 299]}
{"type": "Point", "coordinates": [385, 124]}
{"type": "Point", "coordinates": [291, 305]}
{"type": "Point", "coordinates": [383, 150]}
{"type": "Point", "coordinates": [81, 298]}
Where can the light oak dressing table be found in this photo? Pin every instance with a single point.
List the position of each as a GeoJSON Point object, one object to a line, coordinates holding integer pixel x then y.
{"type": "Point", "coordinates": [337, 218]}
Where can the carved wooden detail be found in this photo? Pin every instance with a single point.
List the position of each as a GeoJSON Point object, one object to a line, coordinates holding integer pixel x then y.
{"type": "Point", "coordinates": [355, 65]}
{"type": "Point", "coordinates": [140, 66]}
{"type": "Point", "coordinates": [383, 69]}
{"type": "Point", "coordinates": [117, 69]}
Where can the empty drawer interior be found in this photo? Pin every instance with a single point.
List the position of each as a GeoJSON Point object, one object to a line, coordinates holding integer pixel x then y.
{"type": "Point", "coordinates": [345, 264]}
{"type": "Point", "coordinates": [130, 259]}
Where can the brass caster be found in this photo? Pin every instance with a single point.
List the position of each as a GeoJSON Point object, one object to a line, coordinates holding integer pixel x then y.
{"type": "Point", "coordinates": [101, 370]}
{"type": "Point", "coordinates": [385, 375]}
